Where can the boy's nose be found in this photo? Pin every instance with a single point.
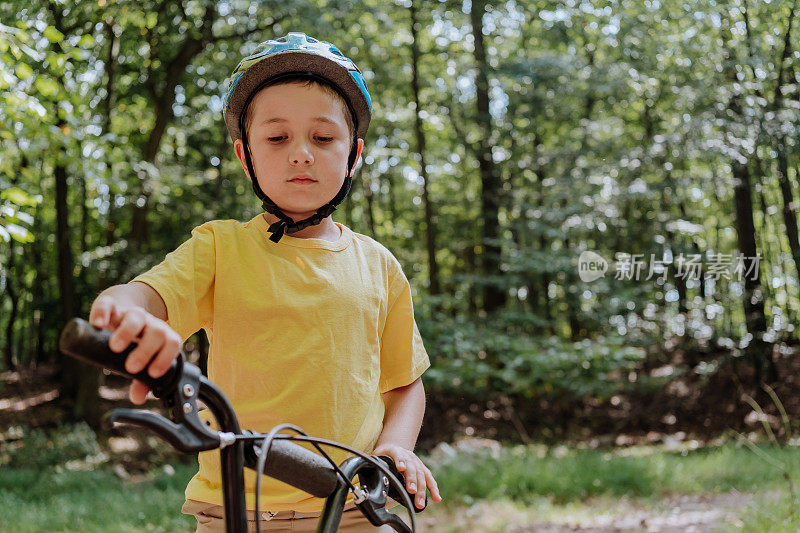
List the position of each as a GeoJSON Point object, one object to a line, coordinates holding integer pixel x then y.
{"type": "Point", "coordinates": [301, 155]}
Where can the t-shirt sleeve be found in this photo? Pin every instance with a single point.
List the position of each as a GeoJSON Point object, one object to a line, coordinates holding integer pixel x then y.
{"type": "Point", "coordinates": [185, 281]}
{"type": "Point", "coordinates": [403, 356]}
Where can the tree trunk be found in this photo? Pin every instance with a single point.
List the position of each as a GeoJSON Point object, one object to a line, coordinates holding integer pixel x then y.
{"type": "Point", "coordinates": [163, 100]}
{"type": "Point", "coordinates": [23, 332]}
{"type": "Point", "coordinates": [370, 209]}
{"type": "Point", "coordinates": [789, 207]}
{"type": "Point", "coordinates": [758, 351]}
{"type": "Point", "coordinates": [37, 290]}
{"type": "Point", "coordinates": [84, 240]}
{"type": "Point", "coordinates": [763, 233]}
{"type": "Point", "coordinates": [571, 298]}
{"type": "Point", "coordinates": [111, 69]}
{"type": "Point", "coordinates": [545, 304]}
{"type": "Point", "coordinates": [79, 380]}
{"type": "Point", "coordinates": [8, 349]}
{"type": "Point", "coordinates": [680, 281]}
{"type": "Point", "coordinates": [430, 224]}
{"type": "Point", "coordinates": [494, 296]}
{"type": "Point", "coordinates": [392, 198]}
{"type": "Point", "coordinates": [103, 280]}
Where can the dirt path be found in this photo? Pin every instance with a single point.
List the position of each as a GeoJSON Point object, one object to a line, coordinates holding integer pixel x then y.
{"type": "Point", "coordinates": [678, 514]}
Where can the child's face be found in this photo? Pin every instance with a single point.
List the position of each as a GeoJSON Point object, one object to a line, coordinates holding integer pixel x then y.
{"type": "Point", "coordinates": [299, 141]}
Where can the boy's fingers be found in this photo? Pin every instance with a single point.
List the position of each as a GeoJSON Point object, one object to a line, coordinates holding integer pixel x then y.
{"type": "Point", "coordinates": [169, 351]}
{"type": "Point", "coordinates": [129, 328]}
{"type": "Point", "coordinates": [138, 392]}
{"type": "Point", "coordinates": [149, 344]}
{"type": "Point", "coordinates": [432, 485]}
{"type": "Point", "coordinates": [101, 312]}
{"type": "Point", "coordinates": [114, 318]}
{"type": "Point", "coordinates": [411, 478]}
{"type": "Point", "coordinates": [421, 486]}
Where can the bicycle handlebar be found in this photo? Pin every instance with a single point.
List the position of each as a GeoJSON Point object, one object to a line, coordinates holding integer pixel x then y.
{"type": "Point", "coordinates": [180, 388]}
{"type": "Point", "coordinates": [287, 461]}
{"type": "Point", "coordinates": [89, 344]}
{"type": "Point", "coordinates": [296, 466]}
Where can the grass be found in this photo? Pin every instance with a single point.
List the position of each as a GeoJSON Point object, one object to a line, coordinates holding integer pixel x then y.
{"type": "Point", "coordinates": [535, 484]}
{"type": "Point", "coordinates": [520, 481]}
{"type": "Point", "coordinates": [772, 513]}
{"type": "Point", "coordinates": [525, 474]}
{"type": "Point", "coordinates": [93, 500]}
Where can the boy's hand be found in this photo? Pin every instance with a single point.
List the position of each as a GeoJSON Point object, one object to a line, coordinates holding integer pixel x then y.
{"type": "Point", "coordinates": [158, 344]}
{"type": "Point", "coordinates": [417, 476]}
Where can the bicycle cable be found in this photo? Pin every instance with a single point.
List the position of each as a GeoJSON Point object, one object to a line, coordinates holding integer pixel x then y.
{"type": "Point", "coordinates": [316, 441]}
{"type": "Point", "coordinates": [263, 451]}
{"type": "Point", "coordinates": [379, 464]}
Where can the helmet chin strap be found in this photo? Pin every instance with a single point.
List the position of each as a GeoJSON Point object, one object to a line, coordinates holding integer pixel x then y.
{"type": "Point", "coordinates": [285, 223]}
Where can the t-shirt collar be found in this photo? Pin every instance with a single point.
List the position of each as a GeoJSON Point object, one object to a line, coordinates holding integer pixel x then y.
{"type": "Point", "coordinates": [335, 246]}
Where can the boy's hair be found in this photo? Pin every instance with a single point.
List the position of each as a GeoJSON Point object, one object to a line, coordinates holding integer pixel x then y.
{"type": "Point", "coordinates": [308, 82]}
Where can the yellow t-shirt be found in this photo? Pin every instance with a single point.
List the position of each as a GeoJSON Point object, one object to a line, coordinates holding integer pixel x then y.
{"type": "Point", "coordinates": [305, 331]}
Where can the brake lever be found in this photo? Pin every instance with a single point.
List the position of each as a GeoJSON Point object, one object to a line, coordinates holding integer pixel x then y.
{"type": "Point", "coordinates": [186, 431]}
{"type": "Point", "coordinates": [177, 435]}
{"type": "Point", "coordinates": [380, 516]}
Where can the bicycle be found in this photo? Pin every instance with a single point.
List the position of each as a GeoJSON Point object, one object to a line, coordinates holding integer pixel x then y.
{"type": "Point", "coordinates": [179, 390]}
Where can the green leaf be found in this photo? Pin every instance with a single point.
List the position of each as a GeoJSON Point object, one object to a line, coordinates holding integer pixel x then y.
{"type": "Point", "coordinates": [151, 20]}
{"type": "Point", "coordinates": [56, 62]}
{"type": "Point", "coordinates": [46, 86]}
{"type": "Point", "coordinates": [87, 41]}
{"type": "Point", "coordinates": [19, 234]}
{"type": "Point", "coordinates": [53, 35]}
{"type": "Point", "coordinates": [24, 217]}
{"type": "Point", "coordinates": [24, 71]}
{"type": "Point", "coordinates": [19, 197]}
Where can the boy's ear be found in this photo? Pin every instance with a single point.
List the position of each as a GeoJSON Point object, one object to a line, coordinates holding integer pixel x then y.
{"type": "Point", "coordinates": [238, 147]}
{"type": "Point", "coordinates": [358, 155]}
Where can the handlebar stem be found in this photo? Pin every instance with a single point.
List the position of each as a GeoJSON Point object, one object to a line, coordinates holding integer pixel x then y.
{"type": "Point", "coordinates": [231, 457]}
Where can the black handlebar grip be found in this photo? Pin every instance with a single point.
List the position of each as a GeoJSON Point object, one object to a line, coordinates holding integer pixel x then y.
{"type": "Point", "coordinates": [296, 466]}
{"type": "Point", "coordinates": [83, 341]}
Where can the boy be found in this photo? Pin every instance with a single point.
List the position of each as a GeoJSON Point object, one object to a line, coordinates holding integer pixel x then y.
{"type": "Point", "coordinates": [308, 322]}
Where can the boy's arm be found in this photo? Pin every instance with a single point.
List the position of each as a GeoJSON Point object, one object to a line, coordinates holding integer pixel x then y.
{"type": "Point", "coordinates": [402, 420]}
{"type": "Point", "coordinates": [136, 312]}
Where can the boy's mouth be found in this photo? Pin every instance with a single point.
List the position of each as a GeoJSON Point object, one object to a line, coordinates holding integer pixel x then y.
{"type": "Point", "coordinates": [303, 178]}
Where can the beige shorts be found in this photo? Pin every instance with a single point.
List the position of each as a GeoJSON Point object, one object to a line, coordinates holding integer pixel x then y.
{"type": "Point", "coordinates": [210, 520]}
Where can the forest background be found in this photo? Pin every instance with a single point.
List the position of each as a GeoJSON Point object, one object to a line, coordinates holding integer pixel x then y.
{"type": "Point", "coordinates": [516, 148]}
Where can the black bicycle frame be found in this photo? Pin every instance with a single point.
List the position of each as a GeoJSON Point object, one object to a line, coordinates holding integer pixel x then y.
{"type": "Point", "coordinates": [232, 466]}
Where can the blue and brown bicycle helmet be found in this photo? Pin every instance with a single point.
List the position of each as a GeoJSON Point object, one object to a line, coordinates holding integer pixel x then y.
{"type": "Point", "coordinates": [296, 56]}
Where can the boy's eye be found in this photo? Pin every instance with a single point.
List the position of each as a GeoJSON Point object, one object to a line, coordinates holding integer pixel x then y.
{"type": "Point", "coordinates": [276, 139]}
{"type": "Point", "coordinates": [324, 139]}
